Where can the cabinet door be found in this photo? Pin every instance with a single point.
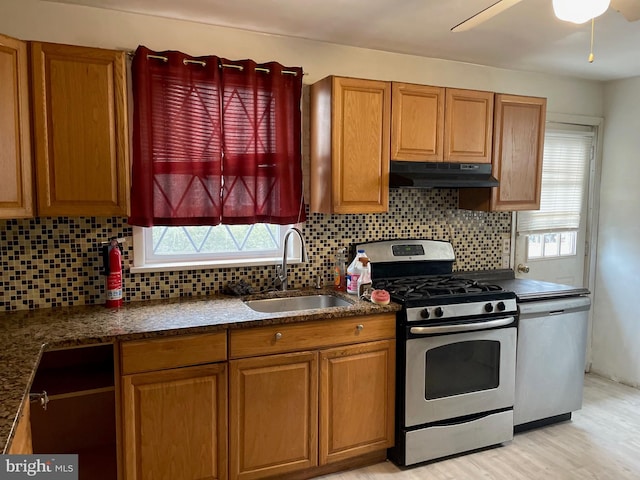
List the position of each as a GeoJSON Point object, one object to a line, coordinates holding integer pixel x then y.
{"type": "Point", "coordinates": [518, 150]}
{"type": "Point", "coordinates": [357, 392]}
{"type": "Point", "coordinates": [417, 122]}
{"type": "Point", "coordinates": [175, 424]}
{"type": "Point", "coordinates": [350, 145]}
{"type": "Point", "coordinates": [468, 126]}
{"type": "Point", "coordinates": [80, 128]}
{"type": "Point", "coordinates": [16, 197]}
{"type": "Point", "coordinates": [274, 415]}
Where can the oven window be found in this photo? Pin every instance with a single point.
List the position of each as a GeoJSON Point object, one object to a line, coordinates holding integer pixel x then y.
{"type": "Point", "coordinates": [462, 367]}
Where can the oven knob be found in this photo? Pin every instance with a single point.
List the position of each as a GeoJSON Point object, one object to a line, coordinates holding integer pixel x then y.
{"type": "Point", "coordinates": [501, 306]}
{"type": "Point", "coordinates": [425, 313]}
{"type": "Point", "coordinates": [488, 308]}
{"type": "Point", "coordinates": [438, 311]}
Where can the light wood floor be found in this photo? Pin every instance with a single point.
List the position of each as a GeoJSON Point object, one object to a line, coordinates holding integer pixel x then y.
{"type": "Point", "coordinates": [602, 441]}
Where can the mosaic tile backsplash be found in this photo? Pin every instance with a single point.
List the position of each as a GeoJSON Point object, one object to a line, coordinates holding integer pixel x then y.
{"type": "Point", "coordinates": [51, 262]}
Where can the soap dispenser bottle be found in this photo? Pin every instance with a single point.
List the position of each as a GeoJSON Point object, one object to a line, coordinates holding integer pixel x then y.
{"type": "Point", "coordinates": [339, 270]}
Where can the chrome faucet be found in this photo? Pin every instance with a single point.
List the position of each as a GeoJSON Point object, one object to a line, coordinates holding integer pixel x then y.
{"type": "Point", "coordinates": [281, 270]}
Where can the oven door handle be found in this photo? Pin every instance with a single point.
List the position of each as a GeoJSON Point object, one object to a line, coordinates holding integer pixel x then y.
{"type": "Point", "coordinates": [462, 327]}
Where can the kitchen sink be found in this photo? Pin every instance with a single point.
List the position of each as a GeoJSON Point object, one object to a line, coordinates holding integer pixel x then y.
{"type": "Point", "coordinates": [290, 304]}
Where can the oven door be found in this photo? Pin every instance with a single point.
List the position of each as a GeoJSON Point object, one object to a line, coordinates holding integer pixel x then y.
{"type": "Point", "coordinates": [452, 375]}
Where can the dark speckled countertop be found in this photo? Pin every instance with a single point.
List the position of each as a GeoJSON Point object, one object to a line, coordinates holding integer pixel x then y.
{"type": "Point", "coordinates": [24, 335]}
{"type": "Point", "coordinates": [526, 290]}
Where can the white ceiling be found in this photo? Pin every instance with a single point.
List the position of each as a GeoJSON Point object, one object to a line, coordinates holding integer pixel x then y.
{"type": "Point", "coordinates": [524, 37]}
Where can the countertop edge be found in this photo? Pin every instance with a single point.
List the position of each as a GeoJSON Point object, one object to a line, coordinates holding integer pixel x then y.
{"type": "Point", "coordinates": [25, 395]}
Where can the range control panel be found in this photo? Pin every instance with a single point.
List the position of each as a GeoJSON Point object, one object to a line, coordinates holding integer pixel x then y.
{"type": "Point", "coordinates": [461, 310]}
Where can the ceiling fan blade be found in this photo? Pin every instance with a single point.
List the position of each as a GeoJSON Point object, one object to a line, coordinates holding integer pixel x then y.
{"type": "Point", "coordinates": [629, 8]}
{"type": "Point", "coordinates": [484, 15]}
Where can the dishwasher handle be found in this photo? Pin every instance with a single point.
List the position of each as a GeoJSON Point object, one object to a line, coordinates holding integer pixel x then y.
{"type": "Point", "coordinates": [557, 306]}
{"type": "Point", "coordinates": [462, 327]}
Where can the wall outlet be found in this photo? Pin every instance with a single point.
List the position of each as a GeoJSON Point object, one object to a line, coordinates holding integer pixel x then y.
{"type": "Point", "coordinates": [506, 252]}
{"type": "Point", "coordinates": [506, 246]}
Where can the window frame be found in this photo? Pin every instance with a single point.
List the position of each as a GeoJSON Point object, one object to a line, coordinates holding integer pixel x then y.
{"type": "Point", "coordinates": [544, 257]}
{"type": "Point", "coordinates": [142, 264]}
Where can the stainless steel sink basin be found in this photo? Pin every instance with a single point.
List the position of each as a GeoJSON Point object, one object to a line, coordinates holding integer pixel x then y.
{"type": "Point", "coordinates": [290, 304]}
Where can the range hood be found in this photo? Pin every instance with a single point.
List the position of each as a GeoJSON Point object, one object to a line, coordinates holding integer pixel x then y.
{"type": "Point", "coordinates": [446, 175]}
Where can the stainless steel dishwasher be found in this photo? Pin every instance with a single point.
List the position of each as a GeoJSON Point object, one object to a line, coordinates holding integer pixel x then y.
{"type": "Point", "coordinates": [551, 349]}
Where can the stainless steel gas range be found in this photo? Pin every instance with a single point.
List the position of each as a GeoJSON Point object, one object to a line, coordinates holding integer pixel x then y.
{"type": "Point", "coordinates": [456, 344]}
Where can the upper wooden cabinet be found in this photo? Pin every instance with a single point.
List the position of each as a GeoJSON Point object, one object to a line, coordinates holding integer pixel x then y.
{"type": "Point", "coordinates": [417, 122]}
{"type": "Point", "coordinates": [436, 124]}
{"type": "Point", "coordinates": [350, 145]}
{"type": "Point", "coordinates": [16, 184]}
{"type": "Point", "coordinates": [517, 159]}
{"type": "Point", "coordinates": [468, 126]}
{"type": "Point", "coordinates": [80, 130]}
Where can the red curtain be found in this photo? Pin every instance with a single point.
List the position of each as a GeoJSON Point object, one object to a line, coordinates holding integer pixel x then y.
{"type": "Point", "coordinates": [213, 143]}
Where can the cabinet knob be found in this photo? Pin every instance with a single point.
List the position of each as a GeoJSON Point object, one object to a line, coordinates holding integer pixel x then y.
{"type": "Point", "coordinates": [278, 336]}
{"type": "Point", "coordinates": [360, 327]}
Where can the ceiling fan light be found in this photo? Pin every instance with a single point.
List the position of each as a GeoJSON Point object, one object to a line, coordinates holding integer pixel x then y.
{"type": "Point", "coordinates": [579, 11]}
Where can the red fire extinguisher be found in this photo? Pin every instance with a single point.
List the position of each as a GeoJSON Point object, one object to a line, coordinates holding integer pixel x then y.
{"type": "Point", "coordinates": [114, 275]}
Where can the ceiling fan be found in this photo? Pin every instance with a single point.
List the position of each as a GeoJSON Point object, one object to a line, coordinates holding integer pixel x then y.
{"type": "Point", "coordinates": [576, 11]}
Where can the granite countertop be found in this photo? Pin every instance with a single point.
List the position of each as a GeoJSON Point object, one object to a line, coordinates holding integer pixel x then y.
{"type": "Point", "coordinates": [527, 290]}
{"type": "Point", "coordinates": [24, 335]}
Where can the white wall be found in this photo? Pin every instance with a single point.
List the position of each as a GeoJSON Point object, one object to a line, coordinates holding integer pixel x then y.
{"type": "Point", "coordinates": [616, 325]}
{"type": "Point", "coordinates": [37, 20]}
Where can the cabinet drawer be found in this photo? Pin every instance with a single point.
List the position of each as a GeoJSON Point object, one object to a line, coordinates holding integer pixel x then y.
{"type": "Point", "coordinates": [160, 354]}
{"type": "Point", "coordinates": [304, 336]}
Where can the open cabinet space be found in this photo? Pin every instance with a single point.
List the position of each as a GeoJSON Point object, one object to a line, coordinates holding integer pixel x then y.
{"type": "Point", "coordinates": [77, 414]}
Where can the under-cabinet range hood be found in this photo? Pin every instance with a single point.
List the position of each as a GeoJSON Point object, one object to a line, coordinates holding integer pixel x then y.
{"type": "Point", "coordinates": [445, 175]}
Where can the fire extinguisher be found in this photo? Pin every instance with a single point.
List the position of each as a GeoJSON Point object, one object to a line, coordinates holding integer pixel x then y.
{"type": "Point", "coordinates": [113, 270]}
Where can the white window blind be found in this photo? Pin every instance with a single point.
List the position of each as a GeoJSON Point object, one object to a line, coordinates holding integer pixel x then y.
{"type": "Point", "coordinates": [566, 156]}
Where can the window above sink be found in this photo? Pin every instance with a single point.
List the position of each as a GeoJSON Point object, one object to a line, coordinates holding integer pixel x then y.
{"type": "Point", "coordinates": [201, 247]}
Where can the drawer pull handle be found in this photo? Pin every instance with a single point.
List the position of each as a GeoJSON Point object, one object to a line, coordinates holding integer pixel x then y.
{"type": "Point", "coordinates": [278, 336]}
{"type": "Point", "coordinates": [360, 327]}
{"type": "Point", "coordinates": [41, 398]}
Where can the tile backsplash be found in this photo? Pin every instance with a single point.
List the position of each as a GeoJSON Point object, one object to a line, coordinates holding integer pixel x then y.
{"type": "Point", "coordinates": [50, 262]}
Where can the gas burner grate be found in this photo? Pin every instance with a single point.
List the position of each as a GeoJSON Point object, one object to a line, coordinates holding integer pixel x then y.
{"type": "Point", "coordinates": [414, 288]}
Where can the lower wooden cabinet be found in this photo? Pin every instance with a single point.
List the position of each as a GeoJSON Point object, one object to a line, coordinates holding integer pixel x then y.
{"type": "Point", "coordinates": [77, 386]}
{"type": "Point", "coordinates": [357, 398]}
{"type": "Point", "coordinates": [282, 422]}
{"type": "Point", "coordinates": [293, 401]}
{"type": "Point", "coordinates": [21, 443]}
{"type": "Point", "coordinates": [274, 415]}
{"type": "Point", "coordinates": [176, 424]}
